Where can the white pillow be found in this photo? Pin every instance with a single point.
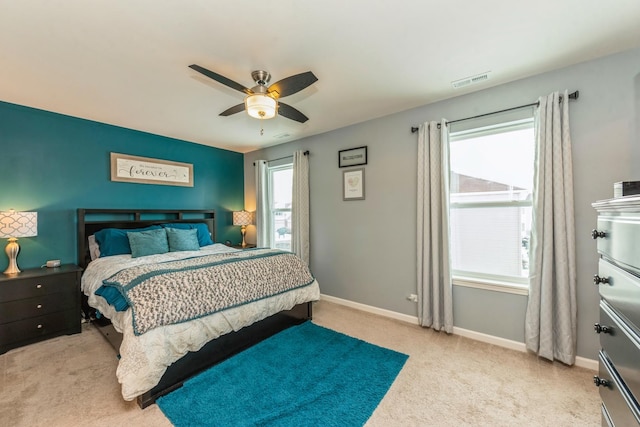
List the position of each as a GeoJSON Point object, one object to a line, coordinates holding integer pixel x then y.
{"type": "Point", "coordinates": [94, 249]}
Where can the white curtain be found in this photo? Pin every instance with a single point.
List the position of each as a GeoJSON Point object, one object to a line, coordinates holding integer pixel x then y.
{"type": "Point", "coordinates": [300, 206]}
{"type": "Point", "coordinates": [263, 223]}
{"type": "Point", "coordinates": [550, 327]}
{"type": "Point", "coordinates": [435, 306]}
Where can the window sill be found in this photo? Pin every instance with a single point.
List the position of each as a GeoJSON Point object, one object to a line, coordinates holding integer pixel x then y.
{"type": "Point", "coordinates": [491, 285]}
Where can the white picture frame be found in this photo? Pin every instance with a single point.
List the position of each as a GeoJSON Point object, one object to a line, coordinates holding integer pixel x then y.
{"type": "Point", "coordinates": [353, 184]}
{"type": "Point", "coordinates": [145, 170]}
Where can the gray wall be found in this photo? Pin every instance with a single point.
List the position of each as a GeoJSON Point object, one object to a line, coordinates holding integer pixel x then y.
{"type": "Point", "coordinates": [365, 251]}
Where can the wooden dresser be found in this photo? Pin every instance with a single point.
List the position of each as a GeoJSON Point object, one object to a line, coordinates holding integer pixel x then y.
{"type": "Point", "coordinates": [618, 281]}
{"type": "Point", "coordinates": [38, 304]}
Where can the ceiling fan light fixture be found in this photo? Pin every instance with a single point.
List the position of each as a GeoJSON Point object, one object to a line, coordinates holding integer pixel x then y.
{"type": "Point", "coordinates": [261, 106]}
{"type": "Point", "coordinates": [263, 102]}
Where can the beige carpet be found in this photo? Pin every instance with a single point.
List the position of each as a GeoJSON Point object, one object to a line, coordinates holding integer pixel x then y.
{"type": "Point", "coordinates": [447, 381]}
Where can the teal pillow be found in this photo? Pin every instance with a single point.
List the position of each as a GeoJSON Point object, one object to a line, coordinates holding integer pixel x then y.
{"type": "Point", "coordinates": [182, 240]}
{"type": "Point", "coordinates": [149, 242]}
{"type": "Point", "coordinates": [204, 237]}
{"type": "Point", "coordinates": [114, 241]}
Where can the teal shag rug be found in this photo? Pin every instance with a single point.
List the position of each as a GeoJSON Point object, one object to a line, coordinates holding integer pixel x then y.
{"type": "Point", "coordinates": [306, 375]}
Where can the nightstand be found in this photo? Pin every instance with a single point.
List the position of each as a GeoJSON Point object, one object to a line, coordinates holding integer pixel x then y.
{"type": "Point", "coordinates": [38, 304]}
{"type": "Point", "coordinates": [249, 246]}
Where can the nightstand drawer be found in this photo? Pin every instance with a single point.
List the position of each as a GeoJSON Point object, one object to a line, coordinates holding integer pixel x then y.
{"type": "Point", "coordinates": [29, 287]}
{"type": "Point", "coordinates": [38, 306]}
{"type": "Point", "coordinates": [38, 327]}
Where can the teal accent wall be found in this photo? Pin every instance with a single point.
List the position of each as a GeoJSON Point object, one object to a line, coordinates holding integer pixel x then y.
{"type": "Point", "coordinates": [54, 164]}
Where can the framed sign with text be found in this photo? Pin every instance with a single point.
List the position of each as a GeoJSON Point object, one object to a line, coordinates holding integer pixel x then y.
{"type": "Point", "coordinates": [145, 170]}
{"type": "Point", "coordinates": [352, 157]}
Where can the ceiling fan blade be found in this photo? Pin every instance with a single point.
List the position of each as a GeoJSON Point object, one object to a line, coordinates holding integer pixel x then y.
{"type": "Point", "coordinates": [293, 84]}
{"type": "Point", "coordinates": [221, 79]}
{"type": "Point", "coordinates": [291, 113]}
{"type": "Point", "coordinates": [233, 110]}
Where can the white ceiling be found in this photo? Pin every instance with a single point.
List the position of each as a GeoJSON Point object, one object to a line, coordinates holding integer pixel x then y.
{"type": "Point", "coordinates": [125, 62]}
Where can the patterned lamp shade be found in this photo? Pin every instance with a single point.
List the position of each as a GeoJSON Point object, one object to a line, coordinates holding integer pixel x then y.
{"type": "Point", "coordinates": [18, 224]}
{"type": "Point", "coordinates": [242, 218]}
{"type": "Point", "coordinates": [13, 225]}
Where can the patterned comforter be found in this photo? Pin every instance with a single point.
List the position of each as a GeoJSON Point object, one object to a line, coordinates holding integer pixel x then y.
{"type": "Point", "coordinates": [177, 291]}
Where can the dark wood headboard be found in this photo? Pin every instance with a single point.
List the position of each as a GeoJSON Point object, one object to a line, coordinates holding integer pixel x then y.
{"type": "Point", "coordinates": [92, 220]}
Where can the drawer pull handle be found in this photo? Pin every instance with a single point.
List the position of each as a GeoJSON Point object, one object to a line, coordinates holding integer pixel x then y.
{"type": "Point", "coordinates": [595, 234]}
{"type": "Point", "coordinates": [600, 381]}
{"type": "Point", "coordinates": [597, 279]}
{"type": "Point", "coordinates": [601, 329]}
{"type": "Point", "coordinates": [39, 326]}
{"type": "Point", "coordinates": [38, 286]}
{"type": "Point", "coordinates": [39, 306]}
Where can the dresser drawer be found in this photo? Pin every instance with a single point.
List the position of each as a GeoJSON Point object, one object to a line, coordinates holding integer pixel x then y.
{"type": "Point", "coordinates": [29, 287]}
{"type": "Point", "coordinates": [38, 306]}
{"type": "Point", "coordinates": [622, 346]}
{"type": "Point", "coordinates": [621, 234]}
{"type": "Point", "coordinates": [621, 408]}
{"type": "Point", "coordinates": [606, 418]}
{"type": "Point", "coordinates": [38, 327]}
{"type": "Point", "coordinates": [622, 292]}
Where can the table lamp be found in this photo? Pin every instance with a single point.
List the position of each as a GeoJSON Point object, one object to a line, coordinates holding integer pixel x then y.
{"type": "Point", "coordinates": [242, 218]}
{"type": "Point", "coordinates": [13, 225]}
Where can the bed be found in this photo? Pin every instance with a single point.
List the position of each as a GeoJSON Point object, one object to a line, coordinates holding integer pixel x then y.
{"type": "Point", "coordinates": [154, 361]}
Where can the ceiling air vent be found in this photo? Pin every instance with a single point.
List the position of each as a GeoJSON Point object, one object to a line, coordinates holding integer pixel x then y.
{"type": "Point", "coordinates": [478, 78]}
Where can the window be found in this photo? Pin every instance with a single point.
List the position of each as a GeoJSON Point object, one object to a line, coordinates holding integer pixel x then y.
{"type": "Point", "coordinates": [280, 190]}
{"type": "Point", "coordinates": [490, 204]}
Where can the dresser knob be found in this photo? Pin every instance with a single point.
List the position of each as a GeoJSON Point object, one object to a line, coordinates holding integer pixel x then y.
{"type": "Point", "coordinates": [599, 381]}
{"type": "Point", "coordinates": [601, 328]}
{"type": "Point", "coordinates": [39, 306]}
{"type": "Point", "coordinates": [39, 326]}
{"type": "Point", "coordinates": [597, 279]}
{"type": "Point", "coordinates": [38, 286]}
{"type": "Point", "coordinates": [595, 234]}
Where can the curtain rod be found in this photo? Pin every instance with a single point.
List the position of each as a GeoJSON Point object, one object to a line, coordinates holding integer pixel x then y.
{"type": "Point", "coordinates": [573, 95]}
{"type": "Point", "coordinates": [306, 153]}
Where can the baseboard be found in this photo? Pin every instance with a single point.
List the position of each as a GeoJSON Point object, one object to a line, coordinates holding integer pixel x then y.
{"type": "Point", "coordinates": [590, 364]}
{"type": "Point", "coordinates": [582, 362]}
{"type": "Point", "coordinates": [371, 309]}
{"type": "Point", "coordinates": [490, 339]}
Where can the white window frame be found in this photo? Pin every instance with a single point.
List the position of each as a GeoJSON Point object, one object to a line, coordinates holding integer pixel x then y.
{"type": "Point", "coordinates": [498, 283]}
{"type": "Point", "coordinates": [272, 217]}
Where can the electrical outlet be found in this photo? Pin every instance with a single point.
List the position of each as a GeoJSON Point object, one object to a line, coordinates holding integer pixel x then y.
{"type": "Point", "coordinates": [413, 297]}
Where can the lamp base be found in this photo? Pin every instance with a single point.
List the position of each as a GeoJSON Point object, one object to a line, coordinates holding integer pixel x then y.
{"type": "Point", "coordinates": [12, 250]}
{"type": "Point", "coordinates": [243, 230]}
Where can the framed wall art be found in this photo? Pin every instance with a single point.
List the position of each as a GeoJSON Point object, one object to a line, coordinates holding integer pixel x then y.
{"type": "Point", "coordinates": [145, 170]}
{"type": "Point", "coordinates": [353, 184]}
{"type": "Point", "coordinates": [352, 157]}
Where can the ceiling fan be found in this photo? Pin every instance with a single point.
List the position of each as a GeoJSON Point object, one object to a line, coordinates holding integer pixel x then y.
{"type": "Point", "coordinates": [262, 101]}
